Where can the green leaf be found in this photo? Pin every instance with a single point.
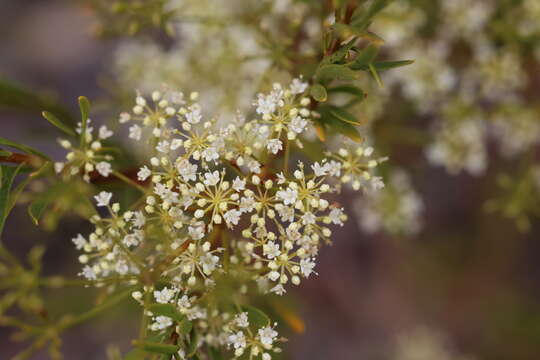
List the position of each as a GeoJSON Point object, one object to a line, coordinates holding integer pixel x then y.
{"type": "Point", "coordinates": [386, 65]}
{"type": "Point", "coordinates": [333, 123]}
{"type": "Point", "coordinates": [5, 153]}
{"type": "Point", "coordinates": [159, 348]}
{"type": "Point", "coordinates": [383, 65]}
{"type": "Point", "coordinates": [365, 57]}
{"type": "Point", "coordinates": [344, 115]}
{"type": "Point", "coordinates": [185, 326]}
{"type": "Point", "coordinates": [256, 317]}
{"type": "Point", "coordinates": [193, 341]}
{"type": "Point", "coordinates": [318, 92]}
{"type": "Point", "coordinates": [135, 354]}
{"type": "Point", "coordinates": [363, 17]}
{"type": "Point", "coordinates": [58, 123]}
{"type": "Point", "coordinates": [24, 148]}
{"type": "Point", "coordinates": [335, 72]}
{"type": "Point", "coordinates": [168, 310]}
{"type": "Point", "coordinates": [375, 75]}
{"type": "Point", "coordinates": [8, 174]}
{"type": "Point", "coordinates": [84, 106]}
{"type": "Point", "coordinates": [348, 89]}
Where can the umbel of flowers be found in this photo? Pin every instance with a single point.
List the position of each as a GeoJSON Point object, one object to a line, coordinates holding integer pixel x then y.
{"type": "Point", "coordinates": [221, 206]}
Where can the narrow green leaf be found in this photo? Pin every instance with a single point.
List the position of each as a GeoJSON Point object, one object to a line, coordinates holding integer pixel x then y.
{"type": "Point", "coordinates": [375, 75]}
{"type": "Point", "coordinates": [168, 310]}
{"type": "Point", "coordinates": [135, 354]}
{"type": "Point", "coordinates": [383, 65]}
{"type": "Point", "coordinates": [336, 72]}
{"type": "Point", "coordinates": [193, 342]}
{"type": "Point", "coordinates": [335, 124]}
{"type": "Point", "coordinates": [24, 148]}
{"type": "Point", "coordinates": [348, 89]}
{"type": "Point", "coordinates": [256, 317]}
{"type": "Point", "coordinates": [344, 115]}
{"type": "Point", "coordinates": [8, 175]}
{"type": "Point", "coordinates": [318, 92]}
{"type": "Point", "coordinates": [84, 106]}
{"type": "Point", "coordinates": [5, 153]}
{"type": "Point", "coordinates": [386, 65]}
{"type": "Point", "coordinates": [56, 122]}
{"type": "Point", "coordinates": [366, 56]}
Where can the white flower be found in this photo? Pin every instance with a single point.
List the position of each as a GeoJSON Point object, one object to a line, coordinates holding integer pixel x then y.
{"type": "Point", "coordinates": [79, 242]}
{"type": "Point", "coordinates": [306, 267]}
{"type": "Point", "coordinates": [271, 250]}
{"type": "Point", "coordinates": [104, 133]}
{"type": "Point", "coordinates": [103, 198]}
{"type": "Point", "coordinates": [194, 115]}
{"type": "Point", "coordinates": [139, 219]}
{"type": "Point", "coordinates": [278, 290]}
{"type": "Point", "coordinates": [183, 303]}
{"type": "Point", "coordinates": [212, 178]}
{"type": "Point", "coordinates": [143, 173]}
{"type": "Point", "coordinates": [298, 87]}
{"type": "Point", "coordinates": [242, 320]}
{"type": "Point", "coordinates": [164, 296]}
{"type": "Point", "coordinates": [187, 170]}
{"type": "Point", "coordinates": [308, 218]}
{"type": "Point", "coordinates": [267, 335]}
{"type": "Point", "coordinates": [209, 262]}
{"type": "Point", "coordinates": [254, 166]}
{"type": "Point", "coordinates": [265, 104]}
{"type": "Point", "coordinates": [238, 340]}
{"type": "Point", "coordinates": [88, 273]}
{"type": "Point", "coordinates": [196, 232]}
{"type": "Point", "coordinates": [232, 216]}
{"type": "Point", "coordinates": [103, 168]}
{"type": "Point", "coordinates": [135, 132]}
{"type": "Point", "coordinates": [335, 216]}
{"type": "Point", "coordinates": [334, 168]}
{"type": "Point", "coordinates": [163, 146]}
{"type": "Point", "coordinates": [274, 145]}
{"type": "Point", "coordinates": [124, 117]}
{"type": "Point", "coordinates": [288, 196]}
{"type": "Point", "coordinates": [319, 170]}
{"type": "Point", "coordinates": [121, 267]}
{"type": "Point", "coordinates": [161, 322]}
{"type": "Point", "coordinates": [132, 239]}
{"type": "Point", "coordinates": [298, 124]}
{"type": "Point", "coordinates": [210, 154]}
{"type": "Point", "coordinates": [238, 184]}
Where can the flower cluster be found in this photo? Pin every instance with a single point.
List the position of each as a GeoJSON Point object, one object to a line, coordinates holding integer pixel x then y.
{"type": "Point", "coordinates": [88, 156]}
{"type": "Point", "coordinates": [216, 206]}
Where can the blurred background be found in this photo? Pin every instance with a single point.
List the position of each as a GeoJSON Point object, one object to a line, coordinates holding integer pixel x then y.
{"type": "Point", "coordinates": [463, 283]}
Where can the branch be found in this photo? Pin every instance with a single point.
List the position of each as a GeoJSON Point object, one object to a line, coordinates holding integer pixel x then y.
{"type": "Point", "coordinates": [95, 178]}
